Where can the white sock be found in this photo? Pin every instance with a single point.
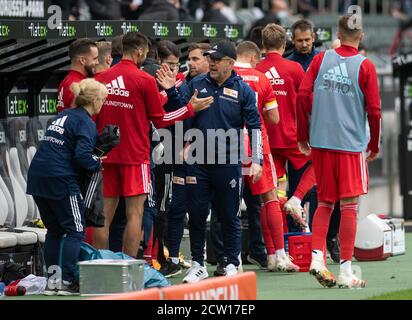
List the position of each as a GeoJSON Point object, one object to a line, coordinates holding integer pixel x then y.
{"type": "Point", "coordinates": [317, 254]}
{"type": "Point", "coordinates": [281, 253]}
{"type": "Point", "coordinates": [346, 266]}
{"type": "Point", "coordinates": [174, 260]}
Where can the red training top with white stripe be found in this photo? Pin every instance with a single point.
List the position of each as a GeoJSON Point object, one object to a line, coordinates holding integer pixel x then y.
{"type": "Point", "coordinates": [133, 102]}
{"type": "Point", "coordinates": [65, 95]}
{"type": "Point", "coordinates": [368, 83]}
{"type": "Point", "coordinates": [265, 98]}
{"type": "Point", "coordinates": [180, 78]}
{"type": "Point", "coordinates": [285, 77]}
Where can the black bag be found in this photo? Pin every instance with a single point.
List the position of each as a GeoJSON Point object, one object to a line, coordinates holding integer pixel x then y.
{"type": "Point", "coordinates": [107, 140]}
{"type": "Point", "coordinates": [10, 271]}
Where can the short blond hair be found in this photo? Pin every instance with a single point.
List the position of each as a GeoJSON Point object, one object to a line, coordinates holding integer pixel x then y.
{"type": "Point", "coordinates": [105, 49]}
{"type": "Point", "coordinates": [273, 36]}
{"type": "Point", "coordinates": [247, 48]}
{"type": "Point", "coordinates": [347, 30]}
{"type": "Point", "coordinates": [87, 90]}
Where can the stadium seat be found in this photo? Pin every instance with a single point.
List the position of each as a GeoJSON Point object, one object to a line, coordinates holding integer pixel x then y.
{"type": "Point", "coordinates": [19, 164]}
{"type": "Point", "coordinates": [41, 233]}
{"type": "Point", "coordinates": [8, 243]}
{"type": "Point", "coordinates": [5, 180]}
{"type": "Point", "coordinates": [35, 133]}
{"type": "Point", "coordinates": [4, 210]}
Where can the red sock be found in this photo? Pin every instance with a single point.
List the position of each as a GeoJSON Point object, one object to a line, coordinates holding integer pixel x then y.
{"type": "Point", "coordinates": [347, 230]}
{"type": "Point", "coordinates": [89, 235]}
{"type": "Point", "coordinates": [148, 251]}
{"type": "Point", "coordinates": [320, 225]}
{"type": "Point", "coordinates": [282, 201]}
{"type": "Point", "coordinates": [155, 251]}
{"type": "Point", "coordinates": [306, 183]}
{"type": "Point", "coordinates": [270, 248]}
{"type": "Point", "coordinates": [275, 223]}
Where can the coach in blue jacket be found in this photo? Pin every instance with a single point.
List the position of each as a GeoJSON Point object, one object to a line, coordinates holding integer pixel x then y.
{"type": "Point", "coordinates": [64, 154]}
{"type": "Point", "coordinates": [217, 176]}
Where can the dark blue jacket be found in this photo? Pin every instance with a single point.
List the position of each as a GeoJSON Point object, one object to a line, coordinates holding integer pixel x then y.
{"type": "Point", "coordinates": [65, 152]}
{"type": "Point", "coordinates": [303, 59]}
{"type": "Point", "coordinates": [234, 106]}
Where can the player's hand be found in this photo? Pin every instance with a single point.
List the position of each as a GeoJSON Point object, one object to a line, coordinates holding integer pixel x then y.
{"type": "Point", "coordinates": [200, 104]}
{"type": "Point", "coordinates": [255, 172]}
{"type": "Point", "coordinates": [304, 147]}
{"type": "Point", "coordinates": [165, 77]}
{"type": "Point", "coordinates": [371, 155]}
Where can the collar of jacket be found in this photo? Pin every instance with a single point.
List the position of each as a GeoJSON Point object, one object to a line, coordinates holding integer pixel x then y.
{"type": "Point", "coordinates": [304, 56]}
{"type": "Point", "coordinates": [233, 77]}
{"type": "Point", "coordinates": [85, 111]}
{"type": "Point", "coordinates": [149, 61]}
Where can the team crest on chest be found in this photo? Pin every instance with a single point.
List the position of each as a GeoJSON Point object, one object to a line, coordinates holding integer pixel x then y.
{"type": "Point", "coordinates": [230, 92]}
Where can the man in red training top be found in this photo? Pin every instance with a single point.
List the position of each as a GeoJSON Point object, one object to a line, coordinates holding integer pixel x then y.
{"type": "Point", "coordinates": [84, 58]}
{"type": "Point", "coordinates": [133, 102]}
{"type": "Point", "coordinates": [285, 77]}
{"type": "Point", "coordinates": [339, 92]}
{"type": "Point", "coordinates": [248, 55]}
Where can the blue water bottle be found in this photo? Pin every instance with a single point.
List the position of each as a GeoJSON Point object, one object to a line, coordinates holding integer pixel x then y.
{"type": "Point", "coordinates": [2, 286]}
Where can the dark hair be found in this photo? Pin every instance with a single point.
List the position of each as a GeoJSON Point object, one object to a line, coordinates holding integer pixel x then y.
{"type": "Point", "coordinates": [80, 46]}
{"type": "Point", "coordinates": [247, 47]}
{"type": "Point", "coordinates": [153, 54]}
{"type": "Point", "coordinates": [117, 46]}
{"type": "Point", "coordinates": [255, 35]}
{"type": "Point", "coordinates": [302, 25]}
{"type": "Point", "coordinates": [167, 48]}
{"type": "Point", "coordinates": [199, 45]}
{"type": "Point", "coordinates": [134, 40]}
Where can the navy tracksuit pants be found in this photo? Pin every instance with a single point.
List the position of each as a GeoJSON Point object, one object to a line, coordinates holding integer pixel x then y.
{"type": "Point", "coordinates": [221, 185]}
{"type": "Point", "coordinates": [177, 211]}
{"type": "Point", "coordinates": [65, 223]}
{"type": "Point", "coordinates": [256, 245]}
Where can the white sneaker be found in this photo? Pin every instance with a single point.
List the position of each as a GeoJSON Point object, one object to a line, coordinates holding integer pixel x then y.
{"type": "Point", "coordinates": [321, 273]}
{"type": "Point", "coordinates": [271, 262]}
{"type": "Point", "coordinates": [293, 207]}
{"type": "Point", "coordinates": [231, 270]}
{"type": "Point", "coordinates": [195, 273]}
{"type": "Point", "coordinates": [349, 280]}
{"type": "Point", "coordinates": [285, 264]}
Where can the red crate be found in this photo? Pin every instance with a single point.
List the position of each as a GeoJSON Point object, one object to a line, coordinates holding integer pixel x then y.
{"type": "Point", "coordinates": [300, 249]}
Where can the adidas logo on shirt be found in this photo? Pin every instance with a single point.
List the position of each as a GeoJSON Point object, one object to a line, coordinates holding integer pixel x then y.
{"type": "Point", "coordinates": [338, 74]}
{"type": "Point", "coordinates": [274, 76]}
{"type": "Point", "coordinates": [203, 90]}
{"type": "Point", "coordinates": [117, 88]}
{"type": "Point", "coordinates": [57, 125]}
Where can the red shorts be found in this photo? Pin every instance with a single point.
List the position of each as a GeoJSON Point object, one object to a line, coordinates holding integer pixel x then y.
{"type": "Point", "coordinates": [339, 175]}
{"type": "Point", "coordinates": [268, 179]}
{"type": "Point", "coordinates": [281, 155]}
{"type": "Point", "coordinates": [125, 180]}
